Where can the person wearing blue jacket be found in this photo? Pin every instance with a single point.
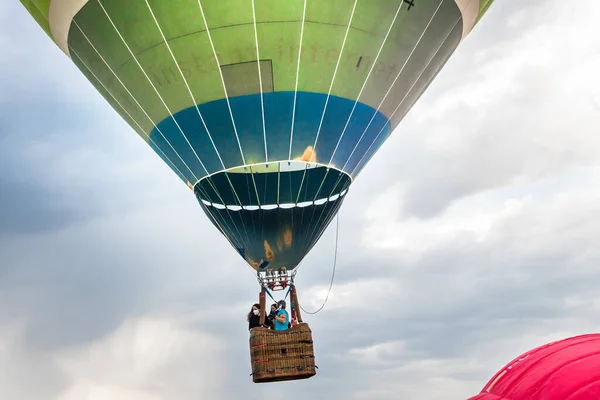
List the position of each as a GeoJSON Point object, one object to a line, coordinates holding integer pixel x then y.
{"type": "Point", "coordinates": [282, 320]}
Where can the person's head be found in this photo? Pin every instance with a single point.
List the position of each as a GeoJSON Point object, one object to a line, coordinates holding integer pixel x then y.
{"type": "Point", "coordinates": [274, 306]}
{"type": "Point", "coordinates": [255, 310]}
{"type": "Point", "coordinates": [281, 304]}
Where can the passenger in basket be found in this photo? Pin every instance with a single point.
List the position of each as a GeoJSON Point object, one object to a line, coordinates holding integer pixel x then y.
{"type": "Point", "coordinates": [282, 319]}
{"type": "Point", "coordinates": [272, 315]}
{"type": "Point", "coordinates": [254, 317]}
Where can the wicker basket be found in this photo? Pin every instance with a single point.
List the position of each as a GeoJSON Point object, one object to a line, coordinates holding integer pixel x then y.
{"type": "Point", "coordinates": [282, 355]}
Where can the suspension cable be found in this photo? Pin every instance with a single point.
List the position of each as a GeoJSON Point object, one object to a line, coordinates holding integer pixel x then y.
{"type": "Point", "coordinates": [337, 231]}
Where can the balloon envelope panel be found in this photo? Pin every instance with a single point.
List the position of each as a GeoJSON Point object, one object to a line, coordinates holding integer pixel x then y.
{"type": "Point", "coordinates": [566, 369]}
{"type": "Point", "coordinates": [215, 85]}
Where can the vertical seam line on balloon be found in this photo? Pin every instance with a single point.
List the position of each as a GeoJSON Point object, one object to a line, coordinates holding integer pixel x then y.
{"type": "Point", "coordinates": [152, 84]}
{"type": "Point", "coordinates": [393, 83]}
{"type": "Point", "coordinates": [407, 93]}
{"type": "Point", "coordinates": [142, 109]}
{"type": "Point", "coordinates": [193, 100]}
{"type": "Point", "coordinates": [357, 99]}
{"type": "Point", "coordinates": [240, 238]}
{"type": "Point", "coordinates": [134, 99]}
{"type": "Point", "coordinates": [385, 96]}
{"type": "Point", "coordinates": [278, 182]}
{"type": "Point", "coordinates": [389, 90]}
{"type": "Point", "coordinates": [262, 103]}
{"type": "Point", "coordinates": [366, 80]}
{"type": "Point", "coordinates": [185, 82]}
{"type": "Point", "coordinates": [330, 214]}
{"type": "Point", "coordinates": [126, 112]}
{"type": "Point", "coordinates": [222, 79]}
{"type": "Point", "coordinates": [328, 95]}
{"type": "Point", "coordinates": [255, 188]}
{"type": "Point", "coordinates": [295, 101]}
{"type": "Point", "coordinates": [297, 76]}
{"type": "Point", "coordinates": [334, 75]}
{"type": "Point", "coordinates": [225, 92]}
{"type": "Point", "coordinates": [227, 238]}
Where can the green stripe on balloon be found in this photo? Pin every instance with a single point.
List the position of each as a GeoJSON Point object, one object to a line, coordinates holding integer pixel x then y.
{"type": "Point", "coordinates": [232, 34]}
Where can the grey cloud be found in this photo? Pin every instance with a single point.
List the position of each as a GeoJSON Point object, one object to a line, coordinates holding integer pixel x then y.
{"type": "Point", "coordinates": [81, 283]}
{"type": "Point", "coordinates": [33, 196]}
{"type": "Point", "coordinates": [40, 127]}
{"type": "Point", "coordinates": [62, 164]}
{"type": "Point", "coordinates": [21, 210]}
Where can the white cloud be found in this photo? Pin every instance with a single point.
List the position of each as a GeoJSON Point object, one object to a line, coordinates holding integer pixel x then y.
{"type": "Point", "coordinates": [145, 359]}
{"type": "Point", "coordinates": [522, 111]}
{"type": "Point", "coordinates": [348, 296]}
{"type": "Point", "coordinates": [481, 216]}
{"type": "Point", "coordinates": [377, 355]}
{"type": "Point", "coordinates": [425, 379]}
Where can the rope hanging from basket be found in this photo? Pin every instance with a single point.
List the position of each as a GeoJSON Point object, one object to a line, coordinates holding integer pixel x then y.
{"type": "Point", "coordinates": [337, 232]}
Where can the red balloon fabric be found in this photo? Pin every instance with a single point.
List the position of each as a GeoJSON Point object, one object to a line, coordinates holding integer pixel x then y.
{"type": "Point", "coordinates": [568, 369]}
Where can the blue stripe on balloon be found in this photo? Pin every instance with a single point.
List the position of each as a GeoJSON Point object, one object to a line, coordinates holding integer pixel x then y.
{"type": "Point", "coordinates": [278, 118]}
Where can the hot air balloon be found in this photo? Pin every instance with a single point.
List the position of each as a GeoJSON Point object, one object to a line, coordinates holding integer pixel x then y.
{"type": "Point", "coordinates": [567, 369]}
{"type": "Point", "coordinates": [267, 110]}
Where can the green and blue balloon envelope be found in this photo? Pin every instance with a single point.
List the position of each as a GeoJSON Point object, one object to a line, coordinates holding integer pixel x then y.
{"type": "Point", "coordinates": [267, 109]}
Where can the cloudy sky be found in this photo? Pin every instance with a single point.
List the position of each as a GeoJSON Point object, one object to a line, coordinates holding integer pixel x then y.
{"type": "Point", "coordinates": [471, 237]}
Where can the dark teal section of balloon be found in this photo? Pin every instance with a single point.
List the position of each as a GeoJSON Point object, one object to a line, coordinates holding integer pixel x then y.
{"type": "Point", "coordinates": [195, 144]}
{"type": "Point", "coordinates": [289, 233]}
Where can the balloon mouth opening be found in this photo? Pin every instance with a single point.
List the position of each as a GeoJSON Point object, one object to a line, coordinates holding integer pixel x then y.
{"type": "Point", "coordinates": [283, 184]}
